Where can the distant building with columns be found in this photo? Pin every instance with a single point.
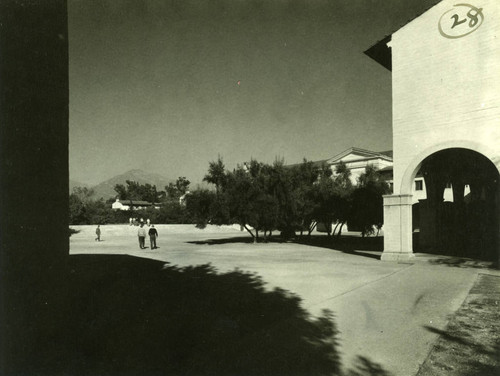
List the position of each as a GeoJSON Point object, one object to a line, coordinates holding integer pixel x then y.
{"type": "Point", "coordinates": [446, 124]}
{"type": "Point", "coordinates": [357, 159]}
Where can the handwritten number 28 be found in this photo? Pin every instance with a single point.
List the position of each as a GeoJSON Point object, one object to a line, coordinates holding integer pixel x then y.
{"type": "Point", "coordinates": [456, 21]}
{"type": "Point", "coordinates": [472, 14]}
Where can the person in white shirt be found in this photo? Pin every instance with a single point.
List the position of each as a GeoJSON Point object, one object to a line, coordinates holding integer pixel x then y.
{"type": "Point", "coordinates": [141, 233]}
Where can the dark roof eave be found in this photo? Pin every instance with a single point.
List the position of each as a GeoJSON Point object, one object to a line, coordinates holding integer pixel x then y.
{"type": "Point", "coordinates": [381, 53]}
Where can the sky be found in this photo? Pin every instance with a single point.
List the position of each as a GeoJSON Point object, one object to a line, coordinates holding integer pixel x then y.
{"type": "Point", "coordinates": [168, 86]}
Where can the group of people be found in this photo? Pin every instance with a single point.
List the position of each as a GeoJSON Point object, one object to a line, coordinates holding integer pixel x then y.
{"type": "Point", "coordinates": [141, 233]}
{"type": "Point", "coordinates": [137, 221]}
{"type": "Point", "coordinates": [153, 234]}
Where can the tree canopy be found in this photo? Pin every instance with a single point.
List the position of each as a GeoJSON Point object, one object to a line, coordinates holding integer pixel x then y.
{"type": "Point", "coordinates": [178, 189]}
{"type": "Point", "coordinates": [136, 191]}
{"type": "Point", "coordinates": [367, 210]}
{"type": "Point", "coordinates": [260, 197]}
{"type": "Point", "coordinates": [264, 197]}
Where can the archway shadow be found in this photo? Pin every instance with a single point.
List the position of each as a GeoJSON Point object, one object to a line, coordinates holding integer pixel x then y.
{"type": "Point", "coordinates": [134, 316]}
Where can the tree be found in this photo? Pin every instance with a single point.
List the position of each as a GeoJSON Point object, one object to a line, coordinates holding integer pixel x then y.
{"type": "Point", "coordinates": [76, 210]}
{"type": "Point", "coordinates": [249, 201]}
{"type": "Point", "coordinates": [84, 194]}
{"type": "Point", "coordinates": [84, 210]}
{"type": "Point", "coordinates": [243, 196]}
{"type": "Point", "coordinates": [343, 176]}
{"type": "Point", "coordinates": [80, 201]}
{"type": "Point", "coordinates": [200, 205]}
{"type": "Point", "coordinates": [98, 212]}
{"type": "Point", "coordinates": [343, 189]}
{"type": "Point", "coordinates": [122, 192]}
{"type": "Point", "coordinates": [367, 202]}
{"type": "Point", "coordinates": [263, 198]}
{"type": "Point", "coordinates": [178, 189]}
{"type": "Point", "coordinates": [182, 185]}
{"type": "Point", "coordinates": [303, 178]}
{"type": "Point", "coordinates": [136, 191]}
{"type": "Point", "coordinates": [293, 187]}
{"type": "Point", "coordinates": [216, 174]}
{"type": "Point", "coordinates": [323, 203]}
{"type": "Point", "coordinates": [331, 196]}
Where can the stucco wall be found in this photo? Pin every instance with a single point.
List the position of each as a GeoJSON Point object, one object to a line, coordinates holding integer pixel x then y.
{"type": "Point", "coordinates": [446, 92]}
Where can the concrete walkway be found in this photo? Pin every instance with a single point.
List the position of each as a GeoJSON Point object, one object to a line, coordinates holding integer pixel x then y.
{"type": "Point", "coordinates": [381, 308]}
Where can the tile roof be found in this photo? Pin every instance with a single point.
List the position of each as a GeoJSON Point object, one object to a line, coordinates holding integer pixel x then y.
{"type": "Point", "coordinates": [135, 202]}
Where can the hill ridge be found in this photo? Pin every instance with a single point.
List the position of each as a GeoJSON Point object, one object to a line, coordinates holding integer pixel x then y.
{"type": "Point", "coordinates": [105, 189]}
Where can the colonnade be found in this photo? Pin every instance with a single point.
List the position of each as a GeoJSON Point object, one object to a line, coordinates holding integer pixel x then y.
{"type": "Point", "coordinates": [468, 226]}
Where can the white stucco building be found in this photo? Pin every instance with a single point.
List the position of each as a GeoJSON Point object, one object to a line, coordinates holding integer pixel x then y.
{"type": "Point", "coordinates": [132, 205]}
{"type": "Point", "coordinates": [357, 159]}
{"type": "Point", "coordinates": [446, 124]}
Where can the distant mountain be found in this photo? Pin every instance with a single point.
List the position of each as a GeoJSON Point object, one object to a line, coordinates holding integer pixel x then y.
{"type": "Point", "coordinates": [74, 183]}
{"type": "Point", "coordinates": [106, 189]}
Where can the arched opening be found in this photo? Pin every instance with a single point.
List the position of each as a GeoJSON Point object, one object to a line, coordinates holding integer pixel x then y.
{"type": "Point", "coordinates": [459, 215]}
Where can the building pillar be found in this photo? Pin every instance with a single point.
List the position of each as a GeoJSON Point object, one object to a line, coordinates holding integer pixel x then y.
{"type": "Point", "coordinates": [398, 237]}
{"type": "Point", "coordinates": [458, 188]}
{"type": "Point", "coordinates": [34, 236]}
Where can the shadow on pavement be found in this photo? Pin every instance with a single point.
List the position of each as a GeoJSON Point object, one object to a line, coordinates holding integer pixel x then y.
{"type": "Point", "coordinates": [459, 252]}
{"type": "Point", "coordinates": [460, 262]}
{"type": "Point", "coordinates": [371, 247]}
{"type": "Point", "coordinates": [134, 316]}
{"type": "Point", "coordinates": [238, 239]}
{"type": "Point", "coordinates": [365, 367]}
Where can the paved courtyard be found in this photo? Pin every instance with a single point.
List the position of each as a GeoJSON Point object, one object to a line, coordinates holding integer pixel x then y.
{"type": "Point", "coordinates": [382, 309]}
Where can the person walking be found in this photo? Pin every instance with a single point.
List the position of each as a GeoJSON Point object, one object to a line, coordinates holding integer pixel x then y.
{"type": "Point", "coordinates": [141, 233]}
{"type": "Point", "coordinates": [153, 234]}
{"type": "Point", "coordinates": [98, 233]}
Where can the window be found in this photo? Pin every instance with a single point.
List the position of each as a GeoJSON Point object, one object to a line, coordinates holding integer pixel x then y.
{"type": "Point", "coordinates": [419, 185]}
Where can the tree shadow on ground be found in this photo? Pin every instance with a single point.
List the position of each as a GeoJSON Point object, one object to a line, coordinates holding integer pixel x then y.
{"type": "Point", "coordinates": [484, 362]}
{"type": "Point", "coordinates": [363, 366]}
{"type": "Point", "coordinates": [460, 262]}
{"type": "Point", "coordinates": [237, 239]}
{"type": "Point", "coordinates": [72, 231]}
{"type": "Point", "coordinates": [470, 344]}
{"type": "Point", "coordinates": [371, 247]}
{"type": "Point", "coordinates": [134, 316]}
